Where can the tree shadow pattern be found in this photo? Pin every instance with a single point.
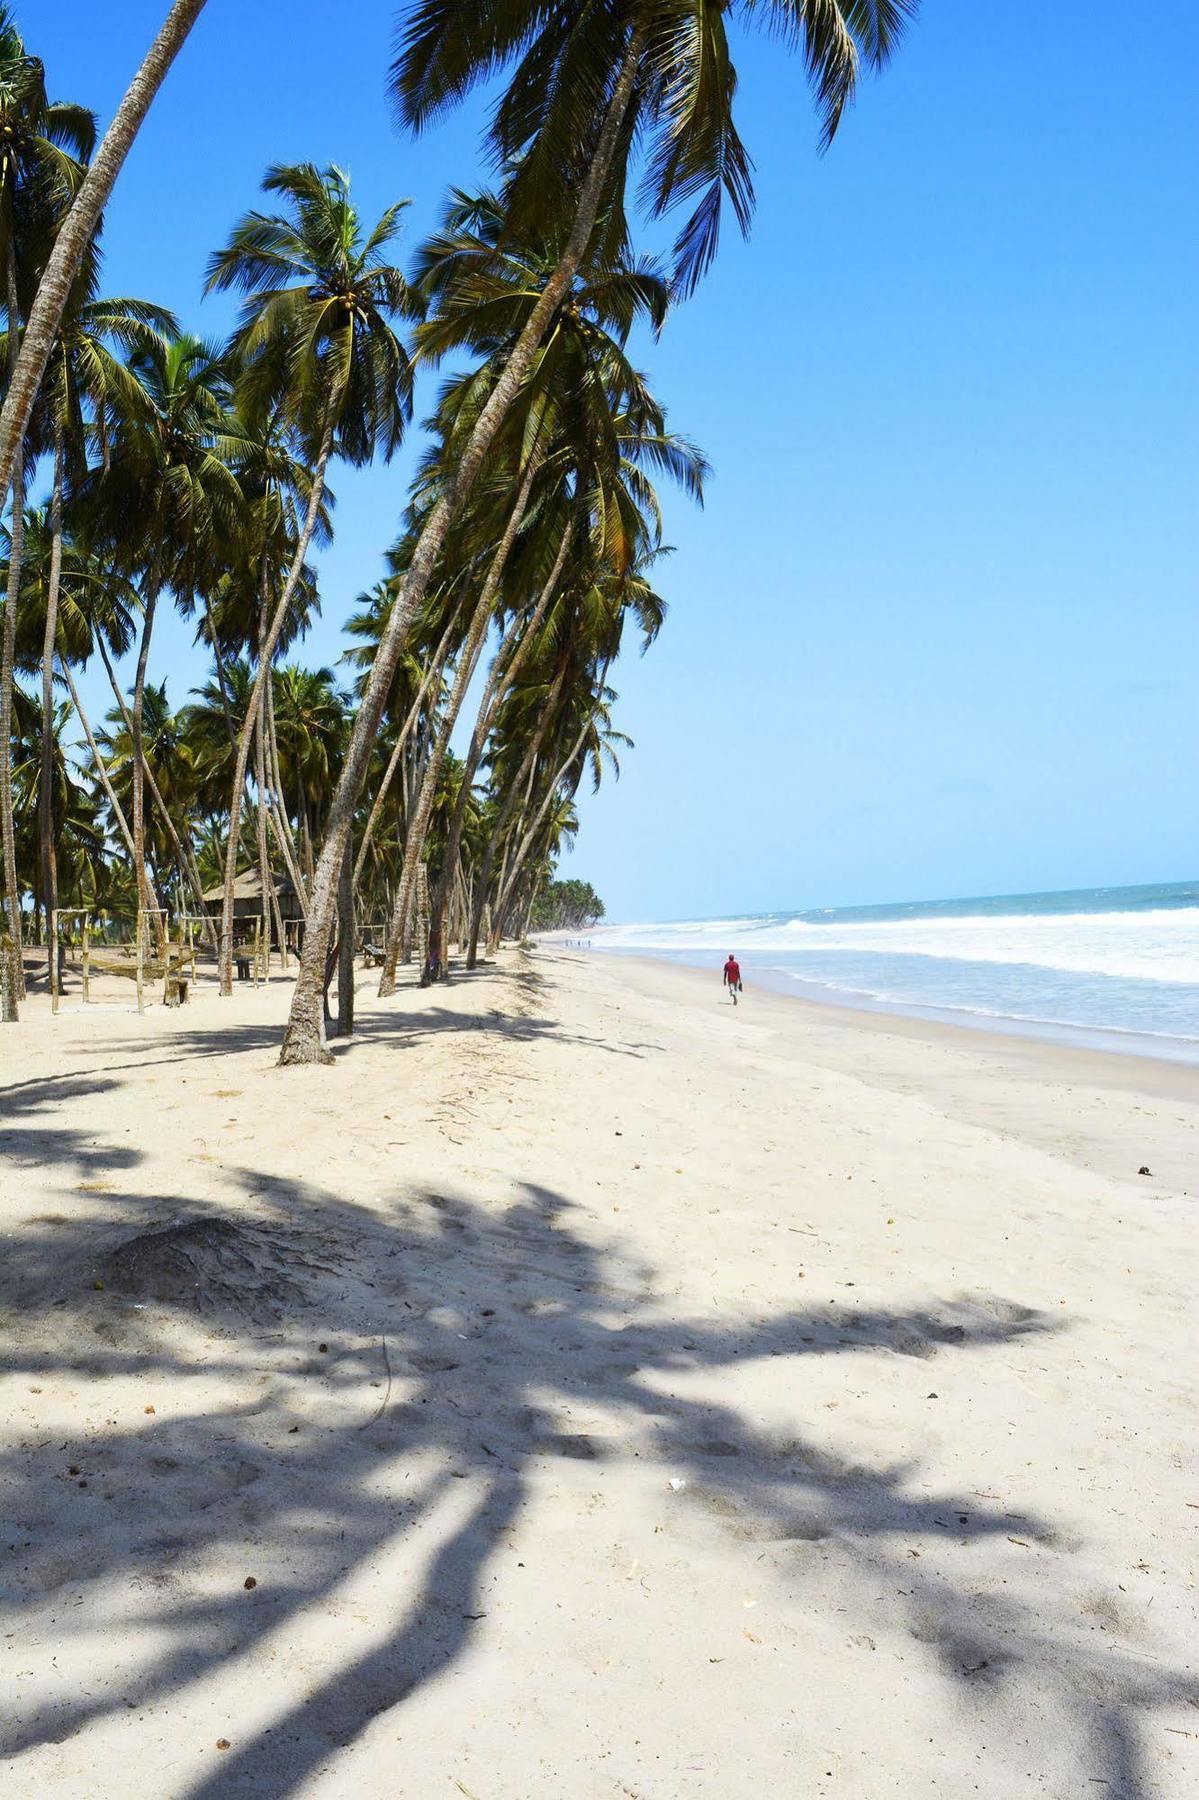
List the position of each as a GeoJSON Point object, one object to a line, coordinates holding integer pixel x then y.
{"type": "Point", "coordinates": [484, 1329]}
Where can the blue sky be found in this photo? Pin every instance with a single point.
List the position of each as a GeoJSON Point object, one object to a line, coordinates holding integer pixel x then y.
{"type": "Point", "coordinates": [936, 631]}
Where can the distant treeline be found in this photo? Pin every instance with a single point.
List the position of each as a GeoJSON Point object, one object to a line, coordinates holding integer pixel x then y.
{"type": "Point", "coordinates": [567, 906]}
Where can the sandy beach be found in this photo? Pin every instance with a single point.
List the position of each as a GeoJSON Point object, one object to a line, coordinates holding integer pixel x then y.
{"type": "Point", "coordinates": [586, 1389]}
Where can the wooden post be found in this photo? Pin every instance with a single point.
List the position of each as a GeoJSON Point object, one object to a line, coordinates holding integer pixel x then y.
{"type": "Point", "coordinates": [87, 959]}
{"type": "Point", "coordinates": [54, 960]}
{"type": "Point", "coordinates": [258, 951]}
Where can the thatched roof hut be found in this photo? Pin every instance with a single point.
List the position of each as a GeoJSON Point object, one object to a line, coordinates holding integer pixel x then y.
{"type": "Point", "coordinates": [247, 897]}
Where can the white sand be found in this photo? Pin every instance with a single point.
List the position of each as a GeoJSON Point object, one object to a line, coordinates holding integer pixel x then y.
{"type": "Point", "coordinates": [715, 1404]}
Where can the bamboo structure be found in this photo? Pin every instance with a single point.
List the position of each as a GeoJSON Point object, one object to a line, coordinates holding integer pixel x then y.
{"type": "Point", "coordinates": [187, 923]}
{"type": "Point", "coordinates": [56, 918]}
{"type": "Point", "coordinates": [176, 961]}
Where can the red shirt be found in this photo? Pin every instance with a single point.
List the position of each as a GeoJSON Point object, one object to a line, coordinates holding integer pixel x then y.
{"type": "Point", "coordinates": [732, 970]}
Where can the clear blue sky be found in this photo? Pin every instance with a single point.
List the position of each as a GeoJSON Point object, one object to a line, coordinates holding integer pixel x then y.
{"type": "Point", "coordinates": [937, 631]}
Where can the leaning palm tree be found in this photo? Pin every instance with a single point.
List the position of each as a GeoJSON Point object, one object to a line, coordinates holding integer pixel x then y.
{"type": "Point", "coordinates": [591, 85]}
{"type": "Point", "coordinates": [609, 427]}
{"type": "Point", "coordinates": [80, 227]}
{"type": "Point", "coordinates": [43, 145]}
{"type": "Point", "coordinates": [316, 334]}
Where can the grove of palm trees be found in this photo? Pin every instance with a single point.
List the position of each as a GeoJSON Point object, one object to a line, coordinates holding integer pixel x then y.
{"type": "Point", "coordinates": [412, 802]}
{"type": "Point", "coordinates": [488, 1308]}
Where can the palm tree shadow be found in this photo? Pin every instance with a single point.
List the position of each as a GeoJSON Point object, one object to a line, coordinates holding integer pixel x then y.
{"type": "Point", "coordinates": [466, 1319]}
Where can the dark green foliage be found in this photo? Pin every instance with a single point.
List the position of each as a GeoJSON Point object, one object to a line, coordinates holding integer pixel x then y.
{"type": "Point", "coordinates": [567, 906]}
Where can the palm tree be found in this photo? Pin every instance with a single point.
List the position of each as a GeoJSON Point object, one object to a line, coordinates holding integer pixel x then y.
{"type": "Point", "coordinates": [316, 331]}
{"type": "Point", "coordinates": [88, 393]}
{"type": "Point", "coordinates": [166, 744]}
{"type": "Point", "coordinates": [81, 847]}
{"type": "Point", "coordinates": [610, 427]}
{"type": "Point", "coordinates": [214, 716]}
{"type": "Point", "coordinates": [484, 285]}
{"type": "Point", "coordinates": [277, 488]}
{"type": "Point", "coordinates": [166, 505]}
{"type": "Point", "coordinates": [311, 712]}
{"type": "Point", "coordinates": [567, 676]}
{"type": "Point", "coordinates": [42, 148]}
{"type": "Point", "coordinates": [416, 699]}
{"type": "Point", "coordinates": [95, 609]}
{"type": "Point", "coordinates": [80, 227]}
{"type": "Point", "coordinates": [590, 83]}
{"type": "Point", "coordinates": [594, 742]}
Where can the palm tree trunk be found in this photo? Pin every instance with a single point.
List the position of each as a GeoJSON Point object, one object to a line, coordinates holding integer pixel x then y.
{"type": "Point", "coordinates": [12, 891]}
{"type": "Point", "coordinates": [303, 1041]}
{"type": "Point", "coordinates": [504, 671]}
{"type": "Point", "coordinates": [423, 923]}
{"type": "Point", "coordinates": [155, 793]}
{"type": "Point", "coordinates": [219, 664]}
{"type": "Point", "coordinates": [306, 836]}
{"type": "Point", "coordinates": [145, 898]}
{"type": "Point", "coordinates": [508, 898]}
{"type": "Point", "coordinates": [521, 786]}
{"type": "Point", "coordinates": [266, 656]}
{"type": "Point", "coordinates": [49, 639]}
{"type": "Point", "coordinates": [279, 812]}
{"type": "Point", "coordinates": [266, 880]}
{"type": "Point", "coordinates": [272, 917]}
{"type": "Point", "coordinates": [432, 674]}
{"type": "Point", "coordinates": [546, 801]}
{"type": "Point", "coordinates": [98, 760]}
{"type": "Point", "coordinates": [78, 229]}
{"type": "Point", "coordinates": [345, 945]}
{"type": "Point", "coordinates": [418, 828]}
{"type": "Point", "coordinates": [463, 906]}
{"type": "Point", "coordinates": [193, 870]}
{"type": "Point", "coordinates": [494, 923]}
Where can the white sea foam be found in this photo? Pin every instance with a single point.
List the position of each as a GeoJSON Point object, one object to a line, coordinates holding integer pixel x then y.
{"type": "Point", "coordinates": [1160, 945]}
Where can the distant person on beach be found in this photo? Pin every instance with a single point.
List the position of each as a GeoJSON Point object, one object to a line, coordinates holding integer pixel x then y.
{"type": "Point", "coordinates": [732, 976]}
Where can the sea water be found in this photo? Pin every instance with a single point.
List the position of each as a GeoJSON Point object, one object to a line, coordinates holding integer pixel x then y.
{"type": "Point", "coordinates": [1119, 965]}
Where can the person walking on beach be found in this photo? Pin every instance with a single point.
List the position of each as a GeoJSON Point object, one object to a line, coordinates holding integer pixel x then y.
{"type": "Point", "coordinates": [732, 976]}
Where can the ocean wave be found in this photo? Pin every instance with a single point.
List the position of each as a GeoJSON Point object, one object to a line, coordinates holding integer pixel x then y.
{"type": "Point", "coordinates": [901, 1002]}
{"type": "Point", "coordinates": [1159, 945]}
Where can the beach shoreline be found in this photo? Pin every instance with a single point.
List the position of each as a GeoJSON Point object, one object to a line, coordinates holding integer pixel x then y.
{"type": "Point", "coordinates": [1115, 969]}
{"type": "Point", "coordinates": [585, 1387]}
{"type": "Point", "coordinates": [1104, 1055]}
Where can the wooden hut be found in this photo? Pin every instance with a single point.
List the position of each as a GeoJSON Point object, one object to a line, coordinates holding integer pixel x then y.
{"type": "Point", "coordinates": [247, 906]}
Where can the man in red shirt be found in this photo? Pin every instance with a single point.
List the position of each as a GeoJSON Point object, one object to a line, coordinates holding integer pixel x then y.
{"type": "Point", "coordinates": [732, 976]}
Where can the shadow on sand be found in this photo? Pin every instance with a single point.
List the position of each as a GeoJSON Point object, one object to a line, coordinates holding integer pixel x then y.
{"type": "Point", "coordinates": [483, 1329]}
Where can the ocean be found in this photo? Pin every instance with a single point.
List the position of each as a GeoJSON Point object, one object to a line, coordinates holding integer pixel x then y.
{"type": "Point", "coordinates": [1113, 966]}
